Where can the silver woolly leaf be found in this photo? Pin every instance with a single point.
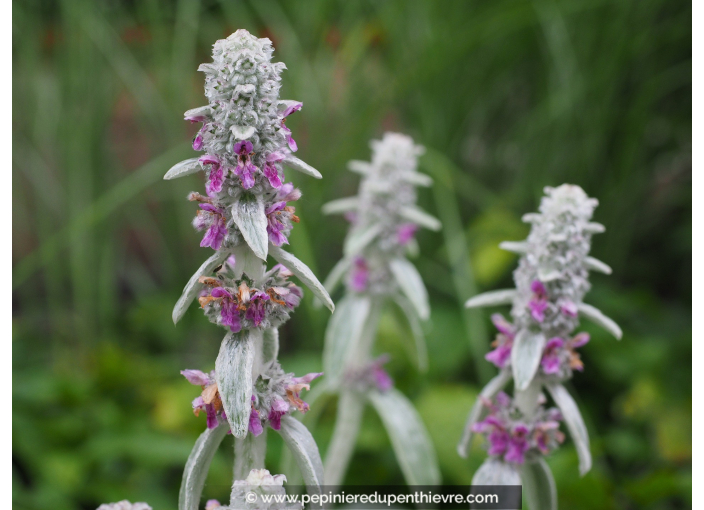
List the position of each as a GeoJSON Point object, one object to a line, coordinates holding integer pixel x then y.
{"type": "Point", "coordinates": [575, 424]}
{"type": "Point", "coordinates": [301, 166]}
{"type": "Point", "coordinates": [411, 316]}
{"type": "Point", "coordinates": [489, 391]}
{"type": "Point", "coordinates": [270, 348]}
{"type": "Point", "coordinates": [492, 298]}
{"type": "Point", "coordinates": [305, 452]}
{"type": "Point", "coordinates": [303, 273]}
{"type": "Point", "coordinates": [539, 485]}
{"type": "Point", "coordinates": [597, 317]}
{"type": "Point", "coordinates": [497, 472]}
{"type": "Point", "coordinates": [411, 283]}
{"type": "Point", "coordinates": [409, 438]}
{"type": "Point", "coordinates": [343, 335]}
{"type": "Point", "coordinates": [187, 167]}
{"type": "Point", "coordinates": [196, 470]}
{"type": "Point", "coordinates": [233, 367]}
{"type": "Point", "coordinates": [350, 409]}
{"type": "Point", "coordinates": [248, 214]}
{"type": "Point", "coordinates": [525, 356]}
{"type": "Point", "coordinates": [193, 287]}
{"type": "Point", "coordinates": [361, 237]}
{"type": "Point", "coordinates": [341, 205]}
{"type": "Point", "coordinates": [597, 265]}
{"type": "Point", "coordinates": [359, 167]}
{"type": "Point", "coordinates": [519, 247]}
{"type": "Point", "coordinates": [420, 217]}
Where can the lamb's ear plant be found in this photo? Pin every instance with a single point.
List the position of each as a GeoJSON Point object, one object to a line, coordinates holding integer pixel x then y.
{"type": "Point", "coordinates": [246, 216]}
{"type": "Point", "coordinates": [538, 351]}
{"type": "Point", "coordinates": [377, 275]}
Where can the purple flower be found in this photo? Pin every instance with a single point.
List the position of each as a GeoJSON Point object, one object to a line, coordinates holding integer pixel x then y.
{"type": "Point", "coordinates": [351, 217]}
{"type": "Point", "coordinates": [195, 118]}
{"type": "Point", "coordinates": [576, 342]}
{"type": "Point", "coordinates": [382, 379]}
{"type": "Point", "coordinates": [405, 232]}
{"type": "Point", "coordinates": [274, 226]}
{"type": "Point", "coordinates": [217, 230]}
{"type": "Point", "coordinates": [255, 423]}
{"type": "Point", "coordinates": [217, 174]}
{"type": "Point", "coordinates": [198, 140]}
{"type": "Point", "coordinates": [209, 400]}
{"type": "Point", "coordinates": [279, 408]}
{"type": "Point", "coordinates": [212, 504]}
{"type": "Point", "coordinates": [371, 375]}
{"type": "Point", "coordinates": [568, 308]}
{"type": "Point", "coordinates": [517, 445]}
{"type": "Point", "coordinates": [288, 111]}
{"type": "Point", "coordinates": [359, 275]}
{"type": "Point", "coordinates": [256, 310]}
{"type": "Point", "coordinates": [545, 431]}
{"type": "Point", "coordinates": [501, 355]}
{"type": "Point", "coordinates": [270, 170]}
{"type": "Point", "coordinates": [229, 312]}
{"type": "Point", "coordinates": [551, 355]}
{"type": "Point", "coordinates": [293, 298]}
{"type": "Point", "coordinates": [287, 193]}
{"type": "Point", "coordinates": [498, 435]}
{"type": "Point", "coordinates": [198, 378]}
{"type": "Point", "coordinates": [557, 351]}
{"type": "Point", "coordinates": [539, 302]}
{"type": "Point", "coordinates": [298, 384]}
{"type": "Point", "coordinates": [245, 168]}
{"type": "Point", "coordinates": [510, 438]}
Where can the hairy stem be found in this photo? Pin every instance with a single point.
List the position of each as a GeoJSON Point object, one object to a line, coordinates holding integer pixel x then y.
{"type": "Point", "coordinates": [528, 400]}
{"type": "Point", "coordinates": [250, 452]}
{"type": "Point", "coordinates": [350, 408]}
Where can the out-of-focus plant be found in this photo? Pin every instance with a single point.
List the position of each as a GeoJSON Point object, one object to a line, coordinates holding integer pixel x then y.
{"type": "Point", "coordinates": [245, 217]}
{"type": "Point", "coordinates": [538, 350]}
{"type": "Point", "coordinates": [384, 218]}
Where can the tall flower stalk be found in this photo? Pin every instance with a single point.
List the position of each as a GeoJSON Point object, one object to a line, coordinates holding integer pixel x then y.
{"type": "Point", "coordinates": [538, 350]}
{"type": "Point", "coordinates": [245, 216]}
{"type": "Point", "coordinates": [377, 274]}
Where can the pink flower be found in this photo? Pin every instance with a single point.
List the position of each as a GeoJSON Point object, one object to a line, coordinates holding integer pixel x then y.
{"type": "Point", "coordinates": [255, 310]}
{"type": "Point", "coordinates": [551, 355]}
{"type": "Point", "coordinates": [501, 355]}
{"type": "Point", "coordinates": [279, 408]}
{"type": "Point", "coordinates": [270, 170]}
{"type": "Point", "coordinates": [359, 275]}
{"type": "Point", "coordinates": [288, 111]}
{"type": "Point", "coordinates": [245, 168]}
{"type": "Point", "coordinates": [229, 312]}
{"type": "Point", "coordinates": [539, 302]}
{"type": "Point", "coordinates": [213, 219]}
{"type": "Point", "coordinates": [405, 232]}
{"type": "Point", "coordinates": [298, 384]}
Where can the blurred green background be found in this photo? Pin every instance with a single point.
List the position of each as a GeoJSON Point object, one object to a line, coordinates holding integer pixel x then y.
{"type": "Point", "coordinates": [508, 96]}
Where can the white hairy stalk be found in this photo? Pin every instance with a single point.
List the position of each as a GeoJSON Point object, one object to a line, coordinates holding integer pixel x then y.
{"type": "Point", "coordinates": [246, 216]}
{"type": "Point", "coordinates": [376, 273]}
{"type": "Point", "coordinates": [538, 349]}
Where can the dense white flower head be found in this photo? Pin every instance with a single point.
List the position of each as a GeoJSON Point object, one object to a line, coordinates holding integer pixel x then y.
{"type": "Point", "coordinates": [247, 494]}
{"type": "Point", "coordinates": [124, 505]}
{"type": "Point", "coordinates": [383, 216]}
{"type": "Point", "coordinates": [552, 277]}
